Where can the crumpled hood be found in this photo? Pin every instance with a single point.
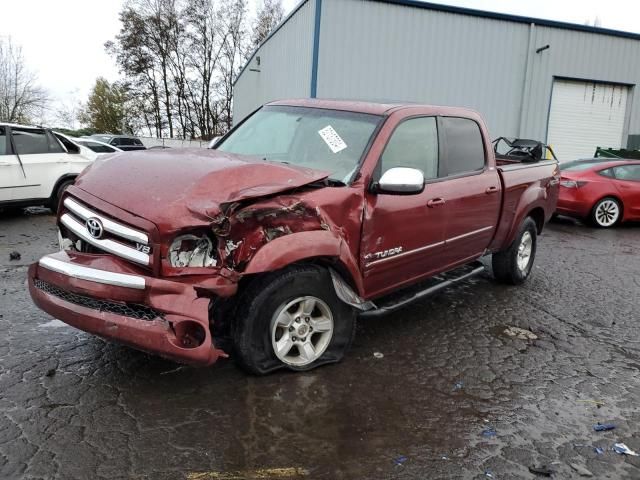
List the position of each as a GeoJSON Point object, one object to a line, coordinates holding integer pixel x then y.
{"type": "Point", "coordinates": [186, 187]}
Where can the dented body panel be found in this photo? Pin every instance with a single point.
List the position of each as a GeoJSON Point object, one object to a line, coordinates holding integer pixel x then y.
{"type": "Point", "coordinates": [262, 216]}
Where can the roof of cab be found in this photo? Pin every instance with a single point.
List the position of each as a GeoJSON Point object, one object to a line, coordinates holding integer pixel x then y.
{"type": "Point", "coordinates": [375, 108]}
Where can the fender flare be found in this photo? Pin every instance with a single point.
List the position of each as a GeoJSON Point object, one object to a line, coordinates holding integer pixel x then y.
{"type": "Point", "coordinates": [299, 246]}
{"type": "Point", "coordinates": [530, 200]}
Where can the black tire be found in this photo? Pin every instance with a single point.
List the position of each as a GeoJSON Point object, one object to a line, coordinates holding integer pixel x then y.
{"type": "Point", "coordinates": [55, 199]}
{"type": "Point", "coordinates": [505, 263]}
{"type": "Point", "coordinates": [609, 217]}
{"type": "Point", "coordinates": [266, 295]}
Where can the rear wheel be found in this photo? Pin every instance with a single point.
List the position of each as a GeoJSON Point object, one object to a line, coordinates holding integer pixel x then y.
{"type": "Point", "coordinates": [292, 319]}
{"type": "Point", "coordinates": [606, 213]}
{"type": "Point", "coordinates": [513, 265]}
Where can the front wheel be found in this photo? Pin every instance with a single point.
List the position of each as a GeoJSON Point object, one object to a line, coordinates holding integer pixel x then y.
{"type": "Point", "coordinates": [513, 265]}
{"type": "Point", "coordinates": [606, 213]}
{"type": "Point", "coordinates": [292, 319]}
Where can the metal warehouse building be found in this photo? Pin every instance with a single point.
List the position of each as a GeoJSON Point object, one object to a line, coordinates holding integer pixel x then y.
{"type": "Point", "coordinates": [571, 85]}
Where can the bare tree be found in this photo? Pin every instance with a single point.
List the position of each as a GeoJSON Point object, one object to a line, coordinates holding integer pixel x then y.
{"type": "Point", "coordinates": [21, 98]}
{"type": "Point", "coordinates": [234, 53]}
{"type": "Point", "coordinates": [268, 18]}
{"type": "Point", "coordinates": [180, 59]}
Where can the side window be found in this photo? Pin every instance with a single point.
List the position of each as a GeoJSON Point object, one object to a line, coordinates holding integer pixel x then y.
{"type": "Point", "coordinates": [30, 141]}
{"type": "Point", "coordinates": [414, 143]}
{"type": "Point", "coordinates": [628, 172]}
{"type": "Point", "coordinates": [137, 141]}
{"type": "Point", "coordinates": [607, 172]}
{"type": "Point", "coordinates": [465, 150]}
{"type": "Point", "coordinates": [54, 145]}
{"type": "Point", "coordinates": [115, 141]}
{"type": "Point", "coordinates": [3, 141]}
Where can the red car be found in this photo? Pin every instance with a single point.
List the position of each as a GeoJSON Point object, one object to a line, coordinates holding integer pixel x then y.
{"type": "Point", "coordinates": [603, 192]}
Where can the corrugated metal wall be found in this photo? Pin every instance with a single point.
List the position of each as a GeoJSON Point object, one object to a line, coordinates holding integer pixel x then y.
{"type": "Point", "coordinates": [378, 51]}
{"type": "Point", "coordinates": [285, 65]}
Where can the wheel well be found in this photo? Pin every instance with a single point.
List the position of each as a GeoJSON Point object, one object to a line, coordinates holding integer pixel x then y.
{"type": "Point", "coordinates": [327, 262]}
{"type": "Point", "coordinates": [64, 178]}
{"type": "Point", "coordinates": [222, 310]}
{"type": "Point", "coordinates": [538, 216]}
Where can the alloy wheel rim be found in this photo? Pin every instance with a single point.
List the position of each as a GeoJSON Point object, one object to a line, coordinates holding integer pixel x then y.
{"type": "Point", "coordinates": [301, 330]}
{"type": "Point", "coordinates": [607, 213]}
{"type": "Point", "coordinates": [524, 251]}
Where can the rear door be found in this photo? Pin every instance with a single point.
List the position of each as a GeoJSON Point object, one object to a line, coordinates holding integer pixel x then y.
{"type": "Point", "coordinates": [627, 181]}
{"type": "Point", "coordinates": [473, 190]}
{"type": "Point", "coordinates": [44, 161]}
{"type": "Point", "coordinates": [403, 234]}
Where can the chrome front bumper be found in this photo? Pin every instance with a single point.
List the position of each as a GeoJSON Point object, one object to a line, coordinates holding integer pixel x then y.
{"type": "Point", "coordinates": [104, 295]}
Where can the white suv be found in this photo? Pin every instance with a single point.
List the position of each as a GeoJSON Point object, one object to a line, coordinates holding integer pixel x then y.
{"type": "Point", "coordinates": [36, 165]}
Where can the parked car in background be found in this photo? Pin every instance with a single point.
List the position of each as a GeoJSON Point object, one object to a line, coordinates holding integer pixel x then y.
{"type": "Point", "coordinates": [123, 142]}
{"type": "Point", "coordinates": [37, 165]}
{"type": "Point", "coordinates": [602, 191]}
{"type": "Point", "coordinates": [306, 214]}
{"type": "Point", "coordinates": [97, 146]}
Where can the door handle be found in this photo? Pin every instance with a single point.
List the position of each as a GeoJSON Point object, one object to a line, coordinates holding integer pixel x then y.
{"type": "Point", "coordinates": [435, 202]}
{"type": "Point", "coordinates": [491, 190]}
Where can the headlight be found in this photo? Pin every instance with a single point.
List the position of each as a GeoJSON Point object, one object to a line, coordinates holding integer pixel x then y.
{"type": "Point", "coordinates": [192, 251]}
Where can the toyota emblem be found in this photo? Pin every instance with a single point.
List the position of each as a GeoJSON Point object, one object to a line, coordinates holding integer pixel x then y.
{"type": "Point", "coordinates": [94, 227]}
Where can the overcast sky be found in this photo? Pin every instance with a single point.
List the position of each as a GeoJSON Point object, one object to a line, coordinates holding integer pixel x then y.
{"type": "Point", "coordinates": [63, 40]}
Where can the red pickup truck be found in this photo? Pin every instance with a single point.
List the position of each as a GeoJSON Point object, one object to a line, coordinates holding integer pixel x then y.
{"type": "Point", "coordinates": [305, 216]}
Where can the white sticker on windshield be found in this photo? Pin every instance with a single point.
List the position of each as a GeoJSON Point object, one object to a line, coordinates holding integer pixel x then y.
{"type": "Point", "coordinates": [332, 139]}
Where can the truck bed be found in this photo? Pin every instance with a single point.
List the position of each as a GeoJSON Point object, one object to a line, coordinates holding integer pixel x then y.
{"type": "Point", "coordinates": [525, 185]}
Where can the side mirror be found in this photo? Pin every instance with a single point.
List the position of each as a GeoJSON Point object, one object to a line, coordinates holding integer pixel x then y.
{"type": "Point", "coordinates": [402, 181]}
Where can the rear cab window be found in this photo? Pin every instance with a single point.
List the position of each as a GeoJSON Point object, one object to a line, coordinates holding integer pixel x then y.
{"type": "Point", "coordinates": [464, 151]}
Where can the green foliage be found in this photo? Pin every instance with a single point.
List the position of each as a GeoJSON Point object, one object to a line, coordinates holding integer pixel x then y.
{"type": "Point", "coordinates": [81, 132]}
{"type": "Point", "coordinates": [105, 111]}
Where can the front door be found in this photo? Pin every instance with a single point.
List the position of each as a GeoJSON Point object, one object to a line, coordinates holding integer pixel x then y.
{"type": "Point", "coordinates": [403, 235]}
{"type": "Point", "coordinates": [43, 159]}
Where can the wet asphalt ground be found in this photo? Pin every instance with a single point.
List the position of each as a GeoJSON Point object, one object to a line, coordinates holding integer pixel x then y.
{"type": "Point", "coordinates": [73, 406]}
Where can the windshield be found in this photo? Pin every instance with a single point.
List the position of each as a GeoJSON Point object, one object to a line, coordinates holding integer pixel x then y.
{"type": "Point", "coordinates": [327, 140]}
{"type": "Point", "coordinates": [579, 165]}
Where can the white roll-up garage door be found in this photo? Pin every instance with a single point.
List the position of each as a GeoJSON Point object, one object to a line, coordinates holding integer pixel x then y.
{"type": "Point", "coordinates": [585, 115]}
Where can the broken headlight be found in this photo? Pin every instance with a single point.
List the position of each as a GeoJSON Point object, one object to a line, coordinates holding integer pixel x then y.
{"type": "Point", "coordinates": [192, 251]}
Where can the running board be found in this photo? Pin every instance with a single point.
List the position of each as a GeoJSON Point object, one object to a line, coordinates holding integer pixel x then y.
{"type": "Point", "coordinates": [404, 297]}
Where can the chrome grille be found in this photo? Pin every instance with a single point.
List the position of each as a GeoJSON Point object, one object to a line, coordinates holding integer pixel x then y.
{"type": "Point", "coordinates": [132, 310]}
{"type": "Point", "coordinates": [124, 241]}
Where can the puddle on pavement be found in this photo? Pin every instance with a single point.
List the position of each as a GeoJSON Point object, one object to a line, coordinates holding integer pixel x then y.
{"type": "Point", "coordinates": [53, 324]}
